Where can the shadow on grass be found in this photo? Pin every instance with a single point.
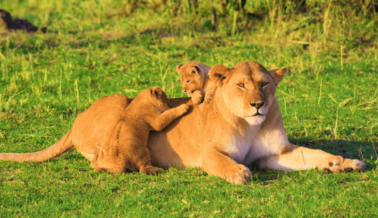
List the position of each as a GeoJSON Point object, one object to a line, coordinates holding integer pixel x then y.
{"type": "Point", "coordinates": [149, 36]}
{"type": "Point", "coordinates": [346, 148]}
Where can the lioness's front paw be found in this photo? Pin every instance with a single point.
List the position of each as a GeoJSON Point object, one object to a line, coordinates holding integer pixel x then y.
{"type": "Point", "coordinates": [350, 165]}
{"type": "Point", "coordinates": [239, 174]}
{"type": "Point", "coordinates": [197, 97]}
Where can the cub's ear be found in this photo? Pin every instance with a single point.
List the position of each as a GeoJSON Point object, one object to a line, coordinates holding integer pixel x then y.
{"type": "Point", "coordinates": [196, 70]}
{"type": "Point", "coordinates": [277, 75]}
{"type": "Point", "coordinates": [178, 67]}
{"type": "Point", "coordinates": [157, 92]}
{"type": "Point", "coordinates": [219, 74]}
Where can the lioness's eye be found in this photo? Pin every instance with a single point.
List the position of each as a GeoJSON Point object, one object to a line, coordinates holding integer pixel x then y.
{"type": "Point", "coordinates": [264, 84]}
{"type": "Point", "coordinates": [188, 81]}
{"type": "Point", "coordinates": [193, 71]}
{"type": "Point", "coordinates": [241, 85]}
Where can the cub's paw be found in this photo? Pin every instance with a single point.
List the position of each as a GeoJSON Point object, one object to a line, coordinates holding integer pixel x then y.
{"type": "Point", "coordinates": [115, 170]}
{"type": "Point", "coordinates": [110, 170]}
{"type": "Point", "coordinates": [197, 97]}
{"type": "Point", "coordinates": [239, 174]}
{"type": "Point", "coordinates": [350, 165]}
{"type": "Point", "coordinates": [208, 99]}
{"type": "Point", "coordinates": [183, 109]}
{"type": "Point", "coordinates": [98, 169]}
{"type": "Point", "coordinates": [151, 170]}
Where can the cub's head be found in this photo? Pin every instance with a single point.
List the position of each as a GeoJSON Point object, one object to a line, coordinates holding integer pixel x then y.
{"type": "Point", "coordinates": [158, 98]}
{"type": "Point", "coordinates": [247, 89]}
{"type": "Point", "coordinates": [193, 76]}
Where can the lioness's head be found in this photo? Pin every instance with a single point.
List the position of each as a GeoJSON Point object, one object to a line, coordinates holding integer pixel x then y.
{"type": "Point", "coordinates": [158, 98]}
{"type": "Point", "coordinates": [247, 89]}
{"type": "Point", "coordinates": [193, 76]}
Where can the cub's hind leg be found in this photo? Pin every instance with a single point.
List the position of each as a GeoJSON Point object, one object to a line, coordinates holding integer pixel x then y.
{"type": "Point", "coordinates": [150, 170]}
{"type": "Point", "coordinates": [142, 161]}
{"type": "Point", "coordinates": [110, 170]}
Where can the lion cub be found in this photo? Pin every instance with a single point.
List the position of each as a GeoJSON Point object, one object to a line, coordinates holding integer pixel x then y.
{"type": "Point", "coordinates": [127, 148]}
{"type": "Point", "coordinates": [195, 81]}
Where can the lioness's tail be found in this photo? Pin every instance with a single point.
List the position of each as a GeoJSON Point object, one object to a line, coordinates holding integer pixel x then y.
{"type": "Point", "coordinates": [61, 146]}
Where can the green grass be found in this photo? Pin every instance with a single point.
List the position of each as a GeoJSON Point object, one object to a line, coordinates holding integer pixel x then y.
{"type": "Point", "coordinates": [97, 48]}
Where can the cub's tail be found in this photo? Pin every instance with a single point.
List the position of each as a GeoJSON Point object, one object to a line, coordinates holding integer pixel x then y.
{"type": "Point", "coordinates": [61, 146]}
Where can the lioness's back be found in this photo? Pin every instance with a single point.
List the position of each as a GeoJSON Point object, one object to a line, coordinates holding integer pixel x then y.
{"type": "Point", "coordinates": [95, 125]}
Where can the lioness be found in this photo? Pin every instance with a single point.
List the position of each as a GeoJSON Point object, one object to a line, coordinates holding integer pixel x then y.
{"type": "Point", "coordinates": [127, 148]}
{"type": "Point", "coordinates": [195, 81]}
{"type": "Point", "coordinates": [242, 124]}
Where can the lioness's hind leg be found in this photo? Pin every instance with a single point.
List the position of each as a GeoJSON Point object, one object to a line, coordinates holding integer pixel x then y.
{"type": "Point", "coordinates": [338, 164]}
{"type": "Point", "coordinates": [89, 156]}
{"type": "Point", "coordinates": [349, 165]}
{"type": "Point", "coordinates": [301, 158]}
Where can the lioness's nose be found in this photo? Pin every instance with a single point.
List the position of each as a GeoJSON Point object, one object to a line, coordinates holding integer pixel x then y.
{"type": "Point", "coordinates": [257, 105]}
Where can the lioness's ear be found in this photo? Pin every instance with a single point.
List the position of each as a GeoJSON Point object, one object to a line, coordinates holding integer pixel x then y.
{"type": "Point", "coordinates": [218, 74]}
{"type": "Point", "coordinates": [157, 92]}
{"type": "Point", "coordinates": [178, 67]}
{"type": "Point", "coordinates": [277, 75]}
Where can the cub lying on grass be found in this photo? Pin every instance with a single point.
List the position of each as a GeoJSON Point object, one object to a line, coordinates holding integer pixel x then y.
{"type": "Point", "coordinates": [195, 81]}
{"type": "Point", "coordinates": [127, 148]}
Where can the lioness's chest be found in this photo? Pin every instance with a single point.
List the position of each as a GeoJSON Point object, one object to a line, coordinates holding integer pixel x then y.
{"type": "Point", "coordinates": [239, 146]}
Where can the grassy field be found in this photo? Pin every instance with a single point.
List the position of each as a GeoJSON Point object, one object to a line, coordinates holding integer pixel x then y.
{"type": "Point", "coordinates": [97, 48]}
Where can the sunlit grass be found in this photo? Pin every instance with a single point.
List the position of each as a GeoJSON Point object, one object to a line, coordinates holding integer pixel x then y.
{"type": "Point", "coordinates": [96, 48]}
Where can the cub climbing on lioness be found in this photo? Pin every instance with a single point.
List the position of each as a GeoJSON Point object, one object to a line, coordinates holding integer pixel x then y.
{"type": "Point", "coordinates": [127, 148]}
{"type": "Point", "coordinates": [195, 81]}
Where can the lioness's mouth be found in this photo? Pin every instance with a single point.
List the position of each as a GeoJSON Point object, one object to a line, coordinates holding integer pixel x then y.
{"type": "Point", "coordinates": [257, 114]}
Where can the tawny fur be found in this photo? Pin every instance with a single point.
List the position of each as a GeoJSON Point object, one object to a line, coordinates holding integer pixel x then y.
{"type": "Point", "coordinates": [195, 81]}
{"type": "Point", "coordinates": [127, 148]}
{"type": "Point", "coordinates": [222, 137]}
